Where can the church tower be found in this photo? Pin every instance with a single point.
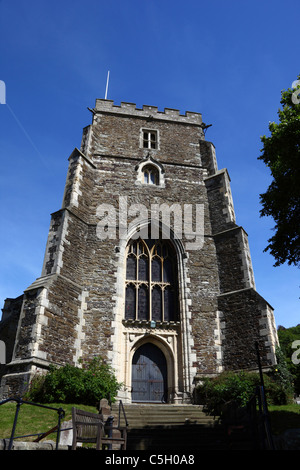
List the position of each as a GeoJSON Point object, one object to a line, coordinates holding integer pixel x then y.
{"type": "Point", "coordinates": [144, 266]}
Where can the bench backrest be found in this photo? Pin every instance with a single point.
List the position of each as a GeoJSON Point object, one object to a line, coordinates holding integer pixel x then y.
{"type": "Point", "coordinates": [86, 425]}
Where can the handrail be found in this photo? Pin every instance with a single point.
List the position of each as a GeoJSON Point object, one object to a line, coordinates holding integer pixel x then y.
{"type": "Point", "coordinates": [262, 402]}
{"type": "Point", "coordinates": [124, 414]}
{"type": "Point", "coordinates": [265, 417]}
{"type": "Point", "coordinates": [20, 402]}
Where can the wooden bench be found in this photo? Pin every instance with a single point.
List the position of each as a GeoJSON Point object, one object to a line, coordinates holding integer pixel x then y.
{"type": "Point", "coordinates": [90, 428]}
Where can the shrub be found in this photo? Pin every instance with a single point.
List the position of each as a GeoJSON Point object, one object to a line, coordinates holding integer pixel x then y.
{"type": "Point", "coordinates": [215, 392]}
{"type": "Point", "coordinates": [281, 380]}
{"type": "Point", "coordinates": [70, 384]}
{"type": "Point", "coordinates": [239, 387]}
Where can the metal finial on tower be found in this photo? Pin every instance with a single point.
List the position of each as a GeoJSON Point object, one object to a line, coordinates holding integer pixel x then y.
{"type": "Point", "coordinates": [107, 80]}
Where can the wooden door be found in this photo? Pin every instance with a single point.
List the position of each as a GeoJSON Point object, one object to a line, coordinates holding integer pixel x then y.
{"type": "Point", "coordinates": [149, 375]}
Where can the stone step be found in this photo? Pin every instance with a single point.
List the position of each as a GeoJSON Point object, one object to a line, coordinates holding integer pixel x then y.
{"type": "Point", "coordinates": [182, 428]}
{"type": "Point", "coordinates": [175, 438]}
{"type": "Point", "coordinates": [163, 415]}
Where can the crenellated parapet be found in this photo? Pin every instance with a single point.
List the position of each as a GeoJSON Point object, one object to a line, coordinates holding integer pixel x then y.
{"type": "Point", "coordinates": [131, 109]}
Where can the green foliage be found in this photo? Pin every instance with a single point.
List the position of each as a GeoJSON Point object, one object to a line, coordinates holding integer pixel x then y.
{"type": "Point", "coordinates": [281, 153]}
{"type": "Point", "coordinates": [287, 338]}
{"type": "Point", "coordinates": [226, 387]}
{"type": "Point", "coordinates": [281, 374]}
{"type": "Point", "coordinates": [239, 387]}
{"type": "Point", "coordinates": [70, 384]}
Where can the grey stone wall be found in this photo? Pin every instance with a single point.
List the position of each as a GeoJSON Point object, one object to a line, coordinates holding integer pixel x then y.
{"type": "Point", "coordinates": [246, 319]}
{"type": "Point", "coordinates": [75, 309]}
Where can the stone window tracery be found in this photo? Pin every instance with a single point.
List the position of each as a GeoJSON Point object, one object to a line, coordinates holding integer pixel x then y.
{"type": "Point", "coordinates": [151, 281]}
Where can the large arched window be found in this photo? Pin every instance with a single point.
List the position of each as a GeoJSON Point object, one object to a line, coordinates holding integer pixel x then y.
{"type": "Point", "coordinates": [151, 281]}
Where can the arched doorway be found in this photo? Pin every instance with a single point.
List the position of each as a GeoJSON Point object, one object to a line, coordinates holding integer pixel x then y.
{"type": "Point", "coordinates": [149, 375]}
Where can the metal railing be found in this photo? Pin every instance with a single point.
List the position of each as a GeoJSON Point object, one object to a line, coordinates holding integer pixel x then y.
{"type": "Point", "coordinates": [259, 420]}
{"type": "Point", "coordinates": [256, 416]}
{"type": "Point", "coordinates": [20, 402]}
{"type": "Point", "coordinates": [121, 407]}
{"type": "Point", "coordinates": [263, 424]}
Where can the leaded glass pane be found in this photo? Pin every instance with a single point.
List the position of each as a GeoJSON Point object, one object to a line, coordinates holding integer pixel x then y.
{"type": "Point", "coordinates": [143, 303]}
{"type": "Point", "coordinates": [156, 270]}
{"type": "Point", "coordinates": [150, 243]}
{"type": "Point", "coordinates": [168, 270]}
{"type": "Point", "coordinates": [131, 267]}
{"type": "Point", "coordinates": [165, 250]}
{"type": "Point", "coordinates": [156, 304]}
{"type": "Point", "coordinates": [169, 305]}
{"type": "Point", "coordinates": [152, 177]}
{"type": "Point", "coordinates": [143, 269]}
{"type": "Point", "coordinates": [130, 303]}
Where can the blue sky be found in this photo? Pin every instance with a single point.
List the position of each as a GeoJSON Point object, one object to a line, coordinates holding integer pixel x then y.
{"type": "Point", "coordinates": [227, 60]}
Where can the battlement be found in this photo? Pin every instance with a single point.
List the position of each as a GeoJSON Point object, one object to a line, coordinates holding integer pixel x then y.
{"type": "Point", "coordinates": [130, 109]}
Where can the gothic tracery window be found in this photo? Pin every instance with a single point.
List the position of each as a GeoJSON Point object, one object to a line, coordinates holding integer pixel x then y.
{"type": "Point", "coordinates": [151, 281]}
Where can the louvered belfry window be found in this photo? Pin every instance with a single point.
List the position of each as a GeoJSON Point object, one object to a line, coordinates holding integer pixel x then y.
{"type": "Point", "coordinates": [151, 281]}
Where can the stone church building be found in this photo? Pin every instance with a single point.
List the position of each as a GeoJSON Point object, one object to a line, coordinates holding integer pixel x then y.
{"type": "Point", "coordinates": [144, 265]}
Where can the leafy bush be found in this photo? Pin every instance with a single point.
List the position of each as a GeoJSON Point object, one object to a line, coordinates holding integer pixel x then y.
{"type": "Point", "coordinates": [70, 384]}
{"type": "Point", "coordinates": [215, 392]}
{"type": "Point", "coordinates": [239, 387]}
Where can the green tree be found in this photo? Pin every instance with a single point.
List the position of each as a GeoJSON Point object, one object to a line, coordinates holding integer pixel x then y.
{"type": "Point", "coordinates": [287, 338]}
{"type": "Point", "coordinates": [281, 153]}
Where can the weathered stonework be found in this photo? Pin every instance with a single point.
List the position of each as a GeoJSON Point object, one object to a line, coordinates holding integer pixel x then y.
{"type": "Point", "coordinates": [76, 308]}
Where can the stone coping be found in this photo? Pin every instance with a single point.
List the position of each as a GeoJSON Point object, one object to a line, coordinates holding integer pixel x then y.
{"type": "Point", "coordinates": [18, 445]}
{"type": "Point", "coordinates": [168, 114]}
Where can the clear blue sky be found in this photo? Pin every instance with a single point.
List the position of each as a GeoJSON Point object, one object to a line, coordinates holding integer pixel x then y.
{"type": "Point", "coordinates": [227, 60]}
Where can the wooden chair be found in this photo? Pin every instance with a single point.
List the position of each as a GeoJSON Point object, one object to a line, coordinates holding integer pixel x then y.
{"type": "Point", "coordinates": [90, 428]}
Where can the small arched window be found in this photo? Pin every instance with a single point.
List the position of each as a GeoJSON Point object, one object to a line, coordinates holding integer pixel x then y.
{"type": "Point", "coordinates": [151, 175]}
{"type": "Point", "coordinates": [150, 172]}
